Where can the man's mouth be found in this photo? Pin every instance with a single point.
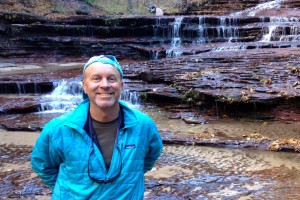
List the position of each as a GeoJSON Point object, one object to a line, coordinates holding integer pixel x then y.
{"type": "Point", "coordinates": [104, 94]}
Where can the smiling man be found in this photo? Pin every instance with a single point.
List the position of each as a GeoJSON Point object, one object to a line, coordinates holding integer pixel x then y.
{"type": "Point", "coordinates": [102, 149]}
{"type": "Point", "coordinates": [103, 85]}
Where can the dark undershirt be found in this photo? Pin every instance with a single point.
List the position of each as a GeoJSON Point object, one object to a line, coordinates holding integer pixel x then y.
{"type": "Point", "coordinates": [106, 136]}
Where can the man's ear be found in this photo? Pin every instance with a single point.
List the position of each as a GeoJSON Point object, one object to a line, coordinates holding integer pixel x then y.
{"type": "Point", "coordinates": [83, 86]}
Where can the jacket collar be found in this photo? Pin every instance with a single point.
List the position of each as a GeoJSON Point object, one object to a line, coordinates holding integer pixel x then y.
{"type": "Point", "coordinates": [80, 115]}
{"type": "Point", "coordinates": [129, 116]}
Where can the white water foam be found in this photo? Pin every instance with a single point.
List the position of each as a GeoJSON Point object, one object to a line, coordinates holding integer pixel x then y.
{"type": "Point", "coordinates": [175, 50]}
{"type": "Point", "coordinates": [66, 96]}
{"type": "Point", "coordinates": [263, 6]}
{"type": "Point", "coordinates": [230, 48]}
{"type": "Point", "coordinates": [201, 31]}
{"type": "Point", "coordinates": [267, 37]}
{"type": "Point", "coordinates": [284, 19]}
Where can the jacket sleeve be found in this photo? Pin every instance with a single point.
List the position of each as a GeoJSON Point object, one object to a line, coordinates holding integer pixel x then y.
{"type": "Point", "coordinates": [44, 159]}
{"type": "Point", "coordinates": [155, 147]}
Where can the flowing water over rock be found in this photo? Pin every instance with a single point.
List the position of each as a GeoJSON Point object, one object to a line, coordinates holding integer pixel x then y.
{"type": "Point", "coordinates": [228, 81]}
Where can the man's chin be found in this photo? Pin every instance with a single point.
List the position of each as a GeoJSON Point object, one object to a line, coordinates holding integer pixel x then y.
{"type": "Point", "coordinates": [105, 104]}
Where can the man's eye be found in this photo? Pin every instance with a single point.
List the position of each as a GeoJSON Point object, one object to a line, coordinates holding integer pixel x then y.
{"type": "Point", "coordinates": [95, 78]}
{"type": "Point", "coordinates": [112, 79]}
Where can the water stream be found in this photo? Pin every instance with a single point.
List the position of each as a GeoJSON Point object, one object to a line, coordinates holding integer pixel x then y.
{"type": "Point", "coordinates": [262, 6]}
{"type": "Point", "coordinates": [226, 33]}
{"type": "Point", "coordinates": [182, 172]}
{"type": "Point", "coordinates": [65, 96]}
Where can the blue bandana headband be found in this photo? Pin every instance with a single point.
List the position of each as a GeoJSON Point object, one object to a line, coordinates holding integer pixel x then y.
{"type": "Point", "coordinates": [105, 59]}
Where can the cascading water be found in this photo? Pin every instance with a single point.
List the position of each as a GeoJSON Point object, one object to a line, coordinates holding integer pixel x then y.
{"type": "Point", "coordinates": [278, 29]}
{"type": "Point", "coordinates": [160, 35]}
{"type": "Point", "coordinates": [294, 35]}
{"type": "Point", "coordinates": [201, 32]}
{"type": "Point", "coordinates": [154, 55]}
{"type": "Point", "coordinates": [21, 88]}
{"type": "Point", "coordinates": [290, 30]}
{"type": "Point", "coordinates": [263, 6]}
{"type": "Point", "coordinates": [175, 50]}
{"type": "Point", "coordinates": [270, 34]}
{"type": "Point", "coordinates": [65, 96]}
{"type": "Point", "coordinates": [68, 94]}
{"type": "Point", "coordinates": [131, 97]}
{"type": "Point", "coordinates": [282, 29]}
{"type": "Point", "coordinates": [228, 31]}
{"type": "Point", "coordinates": [156, 28]}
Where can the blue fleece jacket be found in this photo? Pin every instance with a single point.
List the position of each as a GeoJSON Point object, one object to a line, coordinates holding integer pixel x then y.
{"type": "Point", "coordinates": [67, 159]}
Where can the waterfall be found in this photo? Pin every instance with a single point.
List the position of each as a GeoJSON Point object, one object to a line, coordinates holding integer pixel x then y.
{"type": "Point", "coordinates": [193, 35]}
{"type": "Point", "coordinates": [227, 31]}
{"type": "Point", "coordinates": [156, 27]}
{"type": "Point", "coordinates": [290, 25]}
{"type": "Point", "coordinates": [175, 51]}
{"type": "Point", "coordinates": [131, 97]}
{"type": "Point", "coordinates": [268, 37]}
{"type": "Point", "coordinates": [294, 35]}
{"type": "Point", "coordinates": [21, 88]}
{"type": "Point", "coordinates": [200, 32]}
{"type": "Point", "coordinates": [154, 54]}
{"type": "Point", "coordinates": [263, 6]}
{"type": "Point", "coordinates": [285, 30]}
{"type": "Point", "coordinates": [158, 30]}
{"type": "Point", "coordinates": [67, 94]}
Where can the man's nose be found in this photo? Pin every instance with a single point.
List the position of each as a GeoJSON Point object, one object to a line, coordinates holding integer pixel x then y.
{"type": "Point", "coordinates": [104, 83]}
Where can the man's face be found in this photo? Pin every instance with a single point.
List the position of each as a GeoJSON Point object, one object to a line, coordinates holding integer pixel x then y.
{"type": "Point", "coordinates": [103, 85]}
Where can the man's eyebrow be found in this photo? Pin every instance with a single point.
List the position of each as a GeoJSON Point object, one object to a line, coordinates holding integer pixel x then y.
{"type": "Point", "coordinates": [111, 74]}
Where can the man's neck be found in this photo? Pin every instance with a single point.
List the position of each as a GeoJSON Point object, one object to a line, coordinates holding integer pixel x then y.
{"type": "Point", "coordinates": [105, 115]}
